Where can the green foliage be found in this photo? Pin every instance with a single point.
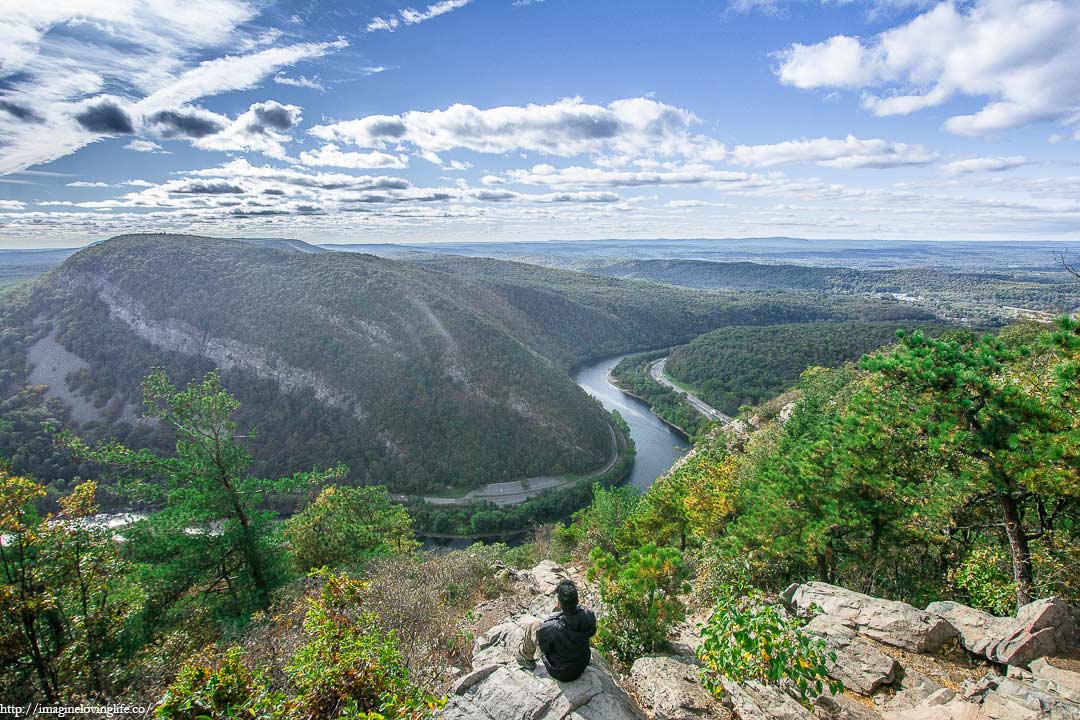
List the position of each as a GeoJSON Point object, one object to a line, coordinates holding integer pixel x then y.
{"type": "Point", "coordinates": [223, 689]}
{"type": "Point", "coordinates": [984, 577]}
{"type": "Point", "coordinates": [735, 366]}
{"type": "Point", "coordinates": [601, 524]}
{"type": "Point", "coordinates": [346, 526]}
{"type": "Point", "coordinates": [749, 638]}
{"type": "Point", "coordinates": [346, 667]}
{"type": "Point", "coordinates": [640, 595]}
{"type": "Point", "coordinates": [65, 603]}
{"type": "Point", "coordinates": [210, 531]}
{"type": "Point", "coordinates": [487, 520]}
{"type": "Point", "coordinates": [633, 376]}
{"type": "Point", "coordinates": [1006, 435]}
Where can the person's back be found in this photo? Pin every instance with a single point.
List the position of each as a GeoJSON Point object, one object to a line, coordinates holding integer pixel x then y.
{"type": "Point", "coordinates": [564, 642]}
{"type": "Point", "coordinates": [562, 637]}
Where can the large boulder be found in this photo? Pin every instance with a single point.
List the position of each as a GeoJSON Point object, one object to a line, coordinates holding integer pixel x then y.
{"type": "Point", "coordinates": [668, 689]}
{"type": "Point", "coordinates": [888, 621]}
{"type": "Point", "coordinates": [859, 665]}
{"type": "Point", "coordinates": [497, 689]}
{"type": "Point", "coordinates": [1040, 628]}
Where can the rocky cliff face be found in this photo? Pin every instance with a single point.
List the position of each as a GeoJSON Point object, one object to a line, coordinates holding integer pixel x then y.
{"type": "Point", "coordinates": [172, 335]}
{"type": "Point", "coordinates": [897, 662]}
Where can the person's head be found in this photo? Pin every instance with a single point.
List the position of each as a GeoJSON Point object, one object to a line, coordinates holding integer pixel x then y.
{"type": "Point", "coordinates": [566, 592]}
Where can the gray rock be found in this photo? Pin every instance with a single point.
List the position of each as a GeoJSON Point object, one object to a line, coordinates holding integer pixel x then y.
{"type": "Point", "coordinates": [1041, 628]}
{"type": "Point", "coordinates": [754, 701]}
{"type": "Point", "coordinates": [1035, 701]}
{"type": "Point", "coordinates": [841, 707]}
{"type": "Point", "coordinates": [955, 709]}
{"type": "Point", "coordinates": [668, 689]}
{"type": "Point", "coordinates": [915, 689]}
{"type": "Point", "coordinates": [859, 665]}
{"type": "Point", "coordinates": [889, 621]}
{"type": "Point", "coordinates": [1065, 683]}
{"type": "Point", "coordinates": [1010, 699]}
{"type": "Point", "coordinates": [499, 690]}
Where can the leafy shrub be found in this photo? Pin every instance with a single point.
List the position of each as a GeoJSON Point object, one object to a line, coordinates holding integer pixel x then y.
{"type": "Point", "coordinates": [346, 526]}
{"type": "Point", "coordinates": [349, 668]}
{"type": "Point", "coordinates": [421, 599]}
{"type": "Point", "coordinates": [641, 599]}
{"type": "Point", "coordinates": [985, 578]}
{"type": "Point", "coordinates": [224, 688]}
{"type": "Point", "coordinates": [346, 666]}
{"type": "Point", "coordinates": [748, 638]}
{"type": "Point", "coordinates": [601, 524]}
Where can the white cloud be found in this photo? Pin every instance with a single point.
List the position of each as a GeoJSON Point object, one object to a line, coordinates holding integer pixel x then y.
{"type": "Point", "coordinates": [145, 146]}
{"type": "Point", "coordinates": [331, 156]}
{"type": "Point", "coordinates": [577, 176]}
{"type": "Point", "coordinates": [1020, 56]}
{"type": "Point", "coordinates": [558, 197]}
{"type": "Point", "coordinates": [12, 205]}
{"type": "Point", "coordinates": [565, 128]}
{"type": "Point", "coordinates": [411, 16]}
{"type": "Point", "coordinates": [983, 164]}
{"type": "Point", "coordinates": [262, 128]}
{"type": "Point", "coordinates": [233, 72]}
{"type": "Point", "coordinates": [61, 60]}
{"type": "Point", "coordinates": [847, 153]}
{"type": "Point", "coordinates": [85, 184]}
{"type": "Point", "coordinates": [299, 81]}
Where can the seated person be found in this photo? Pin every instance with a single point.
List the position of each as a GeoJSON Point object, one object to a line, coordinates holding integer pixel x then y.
{"type": "Point", "coordinates": [562, 637]}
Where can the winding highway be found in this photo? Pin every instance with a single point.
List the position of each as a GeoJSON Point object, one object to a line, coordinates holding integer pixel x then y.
{"type": "Point", "coordinates": [657, 372]}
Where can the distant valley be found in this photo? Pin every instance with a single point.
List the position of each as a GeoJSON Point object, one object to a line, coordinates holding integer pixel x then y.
{"type": "Point", "coordinates": [430, 374]}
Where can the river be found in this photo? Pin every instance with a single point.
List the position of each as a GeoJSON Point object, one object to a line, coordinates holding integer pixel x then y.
{"type": "Point", "coordinates": [657, 444]}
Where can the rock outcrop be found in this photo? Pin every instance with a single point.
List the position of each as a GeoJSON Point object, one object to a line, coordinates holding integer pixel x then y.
{"type": "Point", "coordinates": [1041, 628]}
{"type": "Point", "coordinates": [888, 621]}
{"type": "Point", "coordinates": [497, 689]}
{"type": "Point", "coordinates": [859, 664]}
{"type": "Point", "coordinates": [896, 663]}
{"type": "Point", "coordinates": [668, 689]}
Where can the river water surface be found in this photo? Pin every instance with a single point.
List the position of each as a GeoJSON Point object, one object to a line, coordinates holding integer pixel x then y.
{"type": "Point", "coordinates": [657, 444]}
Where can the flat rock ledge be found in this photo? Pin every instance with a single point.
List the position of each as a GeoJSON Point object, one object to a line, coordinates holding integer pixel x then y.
{"type": "Point", "coordinates": [888, 621]}
{"type": "Point", "coordinates": [497, 689]}
{"type": "Point", "coordinates": [668, 689]}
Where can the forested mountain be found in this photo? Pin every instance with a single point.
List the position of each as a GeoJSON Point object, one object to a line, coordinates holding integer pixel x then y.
{"type": "Point", "coordinates": [734, 366]}
{"type": "Point", "coordinates": [433, 374]}
{"type": "Point", "coordinates": [573, 316]}
{"type": "Point", "coordinates": [397, 371]}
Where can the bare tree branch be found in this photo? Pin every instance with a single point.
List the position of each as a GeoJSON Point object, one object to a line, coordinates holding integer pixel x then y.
{"type": "Point", "coordinates": [1071, 269]}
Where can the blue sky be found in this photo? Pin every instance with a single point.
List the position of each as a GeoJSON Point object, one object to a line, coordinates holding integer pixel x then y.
{"type": "Point", "coordinates": [497, 120]}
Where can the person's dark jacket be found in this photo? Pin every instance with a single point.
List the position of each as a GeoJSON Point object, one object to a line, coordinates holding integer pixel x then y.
{"type": "Point", "coordinates": [564, 642]}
